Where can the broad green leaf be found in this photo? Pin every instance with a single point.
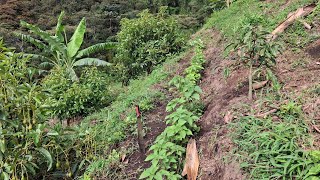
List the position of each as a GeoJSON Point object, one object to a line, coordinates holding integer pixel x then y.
{"type": "Point", "coordinates": [95, 48]}
{"type": "Point", "coordinates": [150, 157]}
{"type": "Point", "coordinates": [47, 155]}
{"type": "Point", "coordinates": [29, 39]}
{"type": "Point", "coordinates": [30, 168]}
{"type": "Point", "coordinates": [2, 146]}
{"type": "Point", "coordinates": [51, 40]}
{"type": "Point", "coordinates": [315, 170]}
{"type": "Point", "coordinates": [76, 39]}
{"type": "Point", "coordinates": [91, 62]}
{"type": "Point", "coordinates": [315, 155]}
{"type": "Point", "coordinates": [146, 173]}
{"type": "Point", "coordinates": [60, 27]}
{"type": "Point", "coordinates": [72, 74]}
{"type": "Point", "coordinates": [5, 176]}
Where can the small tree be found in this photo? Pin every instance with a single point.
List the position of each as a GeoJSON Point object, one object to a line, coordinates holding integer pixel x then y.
{"type": "Point", "coordinates": [255, 49]}
{"type": "Point", "coordinates": [57, 51]}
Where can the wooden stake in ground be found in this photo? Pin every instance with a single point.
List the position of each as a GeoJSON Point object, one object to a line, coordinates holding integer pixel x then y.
{"type": "Point", "coordinates": [301, 12]}
{"type": "Point", "coordinates": [191, 166]}
{"type": "Point", "coordinates": [140, 130]}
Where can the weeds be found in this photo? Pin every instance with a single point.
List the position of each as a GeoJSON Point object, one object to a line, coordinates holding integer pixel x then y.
{"type": "Point", "coordinates": [270, 149]}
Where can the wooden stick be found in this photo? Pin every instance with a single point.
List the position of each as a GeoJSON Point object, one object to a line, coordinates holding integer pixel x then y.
{"type": "Point", "coordinates": [140, 131]}
{"type": "Point", "coordinates": [266, 113]}
{"type": "Point", "coordinates": [317, 129]}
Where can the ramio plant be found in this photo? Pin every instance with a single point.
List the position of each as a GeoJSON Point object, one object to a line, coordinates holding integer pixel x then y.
{"type": "Point", "coordinates": [168, 149]}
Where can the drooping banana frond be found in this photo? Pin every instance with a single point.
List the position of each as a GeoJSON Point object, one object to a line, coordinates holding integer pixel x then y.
{"type": "Point", "coordinates": [30, 39]}
{"type": "Point", "coordinates": [37, 57]}
{"type": "Point", "coordinates": [76, 39]}
{"type": "Point", "coordinates": [46, 65]}
{"type": "Point", "coordinates": [60, 28]}
{"type": "Point", "coordinates": [72, 74]}
{"type": "Point", "coordinates": [91, 62]}
{"type": "Point", "coordinates": [96, 48]}
{"type": "Point", "coordinates": [52, 41]}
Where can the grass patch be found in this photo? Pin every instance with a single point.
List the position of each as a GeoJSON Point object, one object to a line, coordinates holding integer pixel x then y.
{"type": "Point", "coordinates": [230, 19]}
{"type": "Point", "coordinates": [274, 149]}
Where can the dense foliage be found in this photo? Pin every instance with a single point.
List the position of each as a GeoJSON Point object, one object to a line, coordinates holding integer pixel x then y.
{"type": "Point", "coordinates": [72, 99]}
{"type": "Point", "coordinates": [28, 146]}
{"type": "Point", "coordinates": [275, 150]}
{"type": "Point", "coordinates": [103, 16]}
{"type": "Point", "coordinates": [145, 42]}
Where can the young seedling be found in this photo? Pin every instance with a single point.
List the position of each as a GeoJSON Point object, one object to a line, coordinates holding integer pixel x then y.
{"type": "Point", "coordinates": [255, 49]}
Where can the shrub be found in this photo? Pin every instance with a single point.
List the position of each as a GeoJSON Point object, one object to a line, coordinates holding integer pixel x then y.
{"type": "Point", "coordinates": [255, 48]}
{"type": "Point", "coordinates": [21, 113]}
{"type": "Point", "coordinates": [73, 99]}
{"type": "Point", "coordinates": [28, 147]}
{"type": "Point", "coordinates": [145, 42]}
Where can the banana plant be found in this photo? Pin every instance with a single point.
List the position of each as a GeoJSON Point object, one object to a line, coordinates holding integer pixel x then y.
{"type": "Point", "coordinates": [57, 51]}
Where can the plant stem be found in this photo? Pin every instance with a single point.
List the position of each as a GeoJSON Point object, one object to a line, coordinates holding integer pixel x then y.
{"type": "Point", "coordinates": [250, 82]}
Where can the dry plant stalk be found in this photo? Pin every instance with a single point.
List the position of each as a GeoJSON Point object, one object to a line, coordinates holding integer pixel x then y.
{"type": "Point", "coordinates": [191, 166]}
{"type": "Point", "coordinates": [301, 12]}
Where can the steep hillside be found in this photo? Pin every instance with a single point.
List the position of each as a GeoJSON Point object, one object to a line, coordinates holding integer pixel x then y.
{"type": "Point", "coordinates": [103, 16]}
{"type": "Point", "coordinates": [236, 101]}
{"type": "Point", "coordinates": [234, 131]}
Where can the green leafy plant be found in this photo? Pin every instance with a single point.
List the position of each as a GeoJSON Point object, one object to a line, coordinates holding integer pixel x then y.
{"type": "Point", "coordinates": [167, 151]}
{"type": "Point", "coordinates": [57, 51]}
{"type": "Point", "coordinates": [193, 72]}
{"type": "Point", "coordinates": [28, 146]}
{"type": "Point", "coordinates": [70, 99]}
{"type": "Point", "coordinates": [22, 109]}
{"type": "Point", "coordinates": [145, 42]}
{"type": "Point", "coordinates": [254, 48]}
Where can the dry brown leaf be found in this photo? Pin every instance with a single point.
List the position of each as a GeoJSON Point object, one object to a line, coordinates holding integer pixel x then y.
{"type": "Point", "coordinates": [123, 157]}
{"type": "Point", "coordinates": [126, 161]}
{"type": "Point", "coordinates": [191, 166]}
{"type": "Point", "coordinates": [264, 115]}
{"type": "Point", "coordinates": [228, 117]}
{"type": "Point", "coordinates": [305, 24]}
{"type": "Point", "coordinates": [301, 12]}
{"type": "Point", "coordinates": [259, 85]}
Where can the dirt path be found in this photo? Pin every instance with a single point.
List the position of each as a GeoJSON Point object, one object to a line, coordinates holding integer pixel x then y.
{"type": "Point", "coordinates": [219, 94]}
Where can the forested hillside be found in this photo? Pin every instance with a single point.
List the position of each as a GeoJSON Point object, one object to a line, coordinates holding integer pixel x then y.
{"type": "Point", "coordinates": [159, 90]}
{"type": "Point", "coordinates": [103, 16]}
